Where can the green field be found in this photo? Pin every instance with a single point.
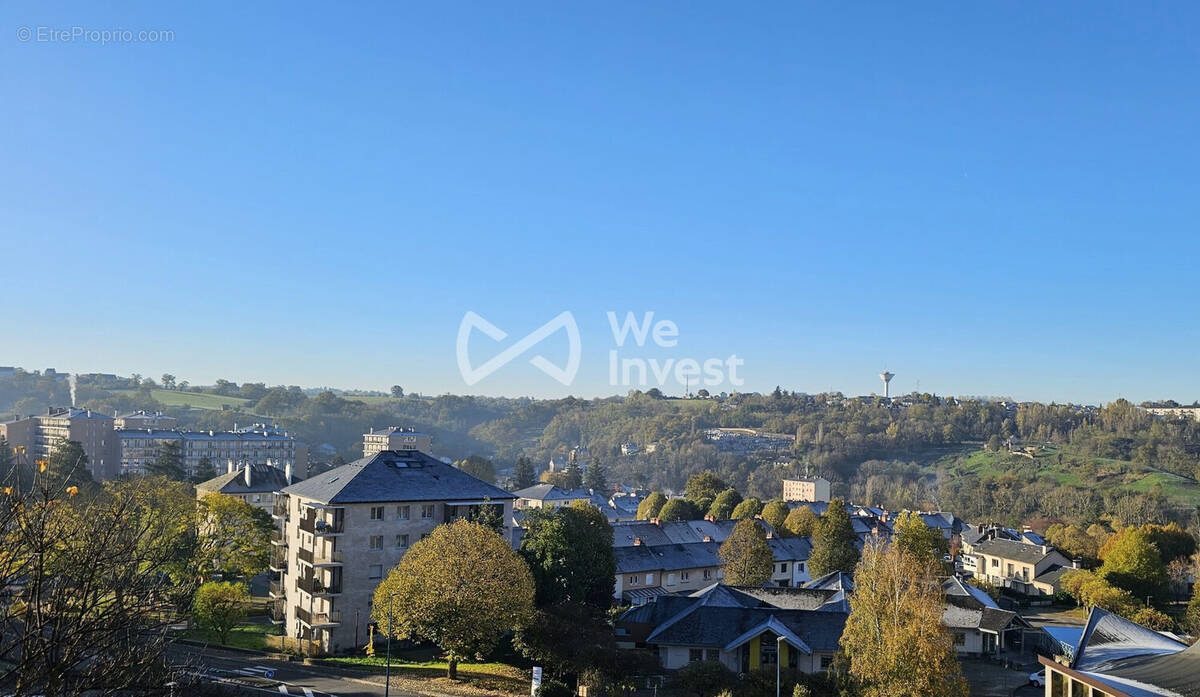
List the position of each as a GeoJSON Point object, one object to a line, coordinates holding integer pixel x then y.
{"type": "Point", "coordinates": [199, 400]}
{"type": "Point", "coordinates": [251, 635]}
{"type": "Point", "coordinates": [1098, 473]}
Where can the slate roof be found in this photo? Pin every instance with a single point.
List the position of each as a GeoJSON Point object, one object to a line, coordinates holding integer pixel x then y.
{"type": "Point", "coordinates": [721, 615]}
{"type": "Point", "coordinates": [1017, 551]}
{"type": "Point", "coordinates": [396, 475]}
{"type": "Point", "coordinates": [675, 532]}
{"type": "Point", "coordinates": [1053, 575]}
{"type": "Point", "coordinates": [834, 580]}
{"type": "Point", "coordinates": [1136, 660]}
{"type": "Point", "coordinates": [549, 492]}
{"type": "Point", "coordinates": [263, 479]}
{"type": "Point", "coordinates": [667, 557]}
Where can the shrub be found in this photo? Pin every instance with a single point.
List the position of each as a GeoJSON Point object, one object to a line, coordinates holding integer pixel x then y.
{"type": "Point", "coordinates": [554, 688]}
{"type": "Point", "coordinates": [704, 678]}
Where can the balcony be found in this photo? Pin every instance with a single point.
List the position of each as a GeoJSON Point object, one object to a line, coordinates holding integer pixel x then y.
{"type": "Point", "coordinates": [279, 538]}
{"type": "Point", "coordinates": [276, 589]}
{"type": "Point", "coordinates": [314, 586]}
{"type": "Point", "coordinates": [278, 559]}
{"type": "Point", "coordinates": [280, 511]}
{"type": "Point", "coordinates": [328, 558]}
{"type": "Point", "coordinates": [277, 612]}
{"type": "Point", "coordinates": [305, 555]}
{"type": "Point", "coordinates": [320, 526]}
{"type": "Point", "coordinates": [319, 619]}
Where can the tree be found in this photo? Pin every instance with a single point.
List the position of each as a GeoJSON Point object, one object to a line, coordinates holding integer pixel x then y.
{"type": "Point", "coordinates": [993, 443]}
{"type": "Point", "coordinates": [1172, 541]}
{"type": "Point", "coordinates": [204, 470]}
{"type": "Point", "coordinates": [1157, 620]}
{"type": "Point", "coordinates": [704, 679]}
{"type": "Point", "coordinates": [1191, 617]}
{"type": "Point", "coordinates": [479, 467]}
{"type": "Point", "coordinates": [573, 476]}
{"type": "Point", "coordinates": [595, 478]}
{"type": "Point", "coordinates": [1090, 590]}
{"type": "Point", "coordinates": [67, 466]}
{"type": "Point", "coordinates": [650, 506]}
{"type": "Point", "coordinates": [169, 462]}
{"type": "Point", "coordinates": [894, 640]}
{"type": "Point", "coordinates": [748, 508]}
{"type": "Point", "coordinates": [916, 538]}
{"type": "Point", "coordinates": [220, 606]}
{"type": "Point", "coordinates": [723, 505]}
{"type": "Point", "coordinates": [397, 391]}
{"type": "Point", "coordinates": [523, 473]}
{"type": "Point", "coordinates": [1132, 562]}
{"type": "Point", "coordinates": [678, 509]}
{"type": "Point", "coordinates": [775, 513]}
{"type": "Point", "coordinates": [462, 588]}
{"type": "Point", "coordinates": [834, 542]}
{"type": "Point", "coordinates": [569, 551]}
{"type": "Point", "coordinates": [801, 521]}
{"type": "Point", "coordinates": [234, 536]}
{"type": "Point", "coordinates": [168, 381]}
{"type": "Point", "coordinates": [702, 488]}
{"type": "Point", "coordinates": [745, 555]}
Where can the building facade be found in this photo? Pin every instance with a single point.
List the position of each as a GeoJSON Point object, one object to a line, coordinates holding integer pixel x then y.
{"type": "Point", "coordinates": [257, 485]}
{"type": "Point", "coordinates": [396, 438]}
{"type": "Point", "coordinates": [259, 444]}
{"type": "Point", "coordinates": [342, 531]}
{"type": "Point", "coordinates": [806, 489]}
{"type": "Point", "coordinates": [41, 435]}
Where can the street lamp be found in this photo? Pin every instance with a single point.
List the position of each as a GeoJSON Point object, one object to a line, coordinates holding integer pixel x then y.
{"type": "Point", "coordinates": [387, 687]}
{"type": "Point", "coordinates": [778, 661]}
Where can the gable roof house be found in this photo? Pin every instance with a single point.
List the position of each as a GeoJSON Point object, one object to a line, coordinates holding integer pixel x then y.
{"type": "Point", "coordinates": [255, 483]}
{"type": "Point", "coordinates": [1016, 565]}
{"type": "Point", "coordinates": [743, 628]}
{"type": "Point", "coordinates": [978, 625]}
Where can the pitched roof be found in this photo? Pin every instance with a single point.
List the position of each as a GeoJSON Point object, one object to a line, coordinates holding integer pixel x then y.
{"type": "Point", "coordinates": [263, 479]}
{"type": "Point", "coordinates": [396, 475]}
{"type": "Point", "coordinates": [1109, 638]}
{"type": "Point", "coordinates": [834, 580]}
{"type": "Point", "coordinates": [1017, 551]}
{"type": "Point", "coordinates": [1136, 660]}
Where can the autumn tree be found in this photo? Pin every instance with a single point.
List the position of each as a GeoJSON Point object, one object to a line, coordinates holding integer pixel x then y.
{"type": "Point", "coordinates": [220, 606]}
{"type": "Point", "coordinates": [1132, 562]}
{"type": "Point", "coordinates": [650, 506]}
{"type": "Point", "coordinates": [801, 522]}
{"type": "Point", "coordinates": [745, 555]}
{"type": "Point", "coordinates": [234, 536]}
{"type": "Point", "coordinates": [479, 467]}
{"type": "Point", "coordinates": [834, 542]}
{"type": "Point", "coordinates": [702, 488]}
{"type": "Point", "coordinates": [894, 642]}
{"type": "Point", "coordinates": [723, 505]}
{"type": "Point", "coordinates": [748, 508]}
{"type": "Point", "coordinates": [678, 509]}
{"type": "Point", "coordinates": [775, 512]}
{"type": "Point", "coordinates": [461, 588]}
{"type": "Point", "coordinates": [916, 538]}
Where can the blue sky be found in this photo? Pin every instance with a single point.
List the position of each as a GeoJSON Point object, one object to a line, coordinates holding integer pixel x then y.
{"type": "Point", "coordinates": [987, 198]}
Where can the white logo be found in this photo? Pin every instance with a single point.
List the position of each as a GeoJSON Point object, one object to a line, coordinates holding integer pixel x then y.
{"type": "Point", "coordinates": [473, 375]}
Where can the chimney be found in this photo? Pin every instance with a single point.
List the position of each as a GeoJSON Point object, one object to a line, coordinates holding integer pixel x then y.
{"type": "Point", "coordinates": [637, 542]}
{"type": "Point", "coordinates": [710, 517]}
{"type": "Point", "coordinates": [249, 467]}
{"type": "Point", "coordinates": [287, 471]}
{"type": "Point", "coordinates": [229, 467]}
{"type": "Point", "coordinates": [656, 521]}
{"type": "Point", "coordinates": [708, 538]}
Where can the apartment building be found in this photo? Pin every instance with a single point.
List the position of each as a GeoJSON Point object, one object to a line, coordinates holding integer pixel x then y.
{"type": "Point", "coordinates": [260, 444]}
{"type": "Point", "coordinates": [396, 438]}
{"type": "Point", "coordinates": [41, 435]}
{"type": "Point", "coordinates": [145, 419]}
{"type": "Point", "coordinates": [806, 489]}
{"type": "Point", "coordinates": [1016, 565]}
{"type": "Point", "coordinates": [257, 485]}
{"type": "Point", "coordinates": [343, 530]}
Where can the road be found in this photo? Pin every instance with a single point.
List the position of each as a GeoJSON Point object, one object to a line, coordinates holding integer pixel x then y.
{"type": "Point", "coordinates": [288, 678]}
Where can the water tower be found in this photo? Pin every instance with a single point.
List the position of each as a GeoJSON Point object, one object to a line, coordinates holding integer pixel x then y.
{"type": "Point", "coordinates": [886, 377]}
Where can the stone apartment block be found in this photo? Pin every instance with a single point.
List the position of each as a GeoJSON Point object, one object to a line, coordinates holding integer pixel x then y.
{"type": "Point", "coordinates": [343, 530]}
{"type": "Point", "coordinates": [40, 436]}
{"type": "Point", "coordinates": [396, 438]}
{"type": "Point", "coordinates": [806, 489]}
{"type": "Point", "coordinates": [259, 444]}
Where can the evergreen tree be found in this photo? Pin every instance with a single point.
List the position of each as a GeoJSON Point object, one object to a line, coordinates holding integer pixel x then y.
{"type": "Point", "coordinates": [745, 555]}
{"type": "Point", "coordinates": [523, 476]}
{"type": "Point", "coordinates": [834, 542]}
{"type": "Point", "coordinates": [67, 465]}
{"type": "Point", "coordinates": [573, 478]}
{"type": "Point", "coordinates": [569, 551]}
{"type": "Point", "coordinates": [596, 478]}
{"type": "Point", "coordinates": [204, 470]}
{"type": "Point", "coordinates": [169, 462]}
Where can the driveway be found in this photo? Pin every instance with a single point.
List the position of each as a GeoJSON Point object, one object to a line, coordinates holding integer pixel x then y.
{"type": "Point", "coordinates": [988, 679]}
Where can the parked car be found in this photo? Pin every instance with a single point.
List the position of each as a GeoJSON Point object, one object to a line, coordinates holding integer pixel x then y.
{"type": "Point", "coordinates": [1038, 678]}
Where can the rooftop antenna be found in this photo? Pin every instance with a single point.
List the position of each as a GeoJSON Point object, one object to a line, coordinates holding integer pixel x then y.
{"type": "Point", "coordinates": [886, 377]}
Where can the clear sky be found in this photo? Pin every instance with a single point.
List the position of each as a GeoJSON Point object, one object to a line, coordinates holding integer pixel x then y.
{"type": "Point", "coordinates": [987, 198]}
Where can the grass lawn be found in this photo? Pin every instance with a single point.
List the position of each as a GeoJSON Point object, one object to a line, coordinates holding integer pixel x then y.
{"type": "Point", "coordinates": [421, 664]}
{"type": "Point", "coordinates": [251, 635]}
{"type": "Point", "coordinates": [200, 400]}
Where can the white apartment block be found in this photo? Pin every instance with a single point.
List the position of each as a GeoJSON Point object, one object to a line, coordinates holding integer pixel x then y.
{"type": "Point", "coordinates": [259, 444]}
{"type": "Point", "coordinates": [343, 530]}
{"type": "Point", "coordinates": [396, 438]}
{"type": "Point", "coordinates": [808, 489]}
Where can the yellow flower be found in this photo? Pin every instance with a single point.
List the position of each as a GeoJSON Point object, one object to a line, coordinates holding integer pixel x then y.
{"type": "Point", "coordinates": [41, 465]}
{"type": "Point", "coordinates": [72, 490]}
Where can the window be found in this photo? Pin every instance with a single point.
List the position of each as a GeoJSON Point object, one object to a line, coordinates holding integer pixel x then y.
{"type": "Point", "coordinates": [403, 512]}
{"type": "Point", "coordinates": [995, 563]}
{"type": "Point", "coordinates": [783, 568]}
{"type": "Point", "coordinates": [826, 661]}
{"type": "Point", "coordinates": [649, 578]}
{"type": "Point", "coordinates": [960, 639]}
{"type": "Point", "coordinates": [707, 574]}
{"type": "Point", "coordinates": [427, 511]}
{"type": "Point", "coordinates": [376, 512]}
{"type": "Point", "coordinates": [768, 651]}
{"type": "Point", "coordinates": [712, 654]}
{"type": "Point", "coordinates": [376, 541]}
{"type": "Point", "coordinates": [670, 579]}
{"type": "Point", "coordinates": [401, 540]}
{"type": "Point", "coordinates": [375, 571]}
{"type": "Point", "coordinates": [684, 575]}
{"type": "Point", "coordinates": [633, 580]}
{"type": "Point", "coordinates": [695, 655]}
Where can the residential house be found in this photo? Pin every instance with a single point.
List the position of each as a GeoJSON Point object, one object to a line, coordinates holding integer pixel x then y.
{"type": "Point", "coordinates": [978, 625]}
{"type": "Point", "coordinates": [342, 530]}
{"type": "Point", "coordinates": [744, 628]}
{"type": "Point", "coordinates": [1016, 565]}
{"type": "Point", "coordinates": [1119, 658]}
{"type": "Point", "coordinates": [255, 484]}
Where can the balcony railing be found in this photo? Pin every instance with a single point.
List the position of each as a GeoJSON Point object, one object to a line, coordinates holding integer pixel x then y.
{"type": "Point", "coordinates": [277, 611]}
{"type": "Point", "coordinates": [317, 619]}
{"type": "Point", "coordinates": [279, 537]}
{"type": "Point", "coordinates": [305, 555]}
{"type": "Point", "coordinates": [278, 559]}
{"type": "Point", "coordinates": [320, 526]}
{"type": "Point", "coordinates": [314, 586]}
{"type": "Point", "coordinates": [328, 557]}
{"type": "Point", "coordinates": [275, 589]}
{"type": "Point", "coordinates": [281, 507]}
